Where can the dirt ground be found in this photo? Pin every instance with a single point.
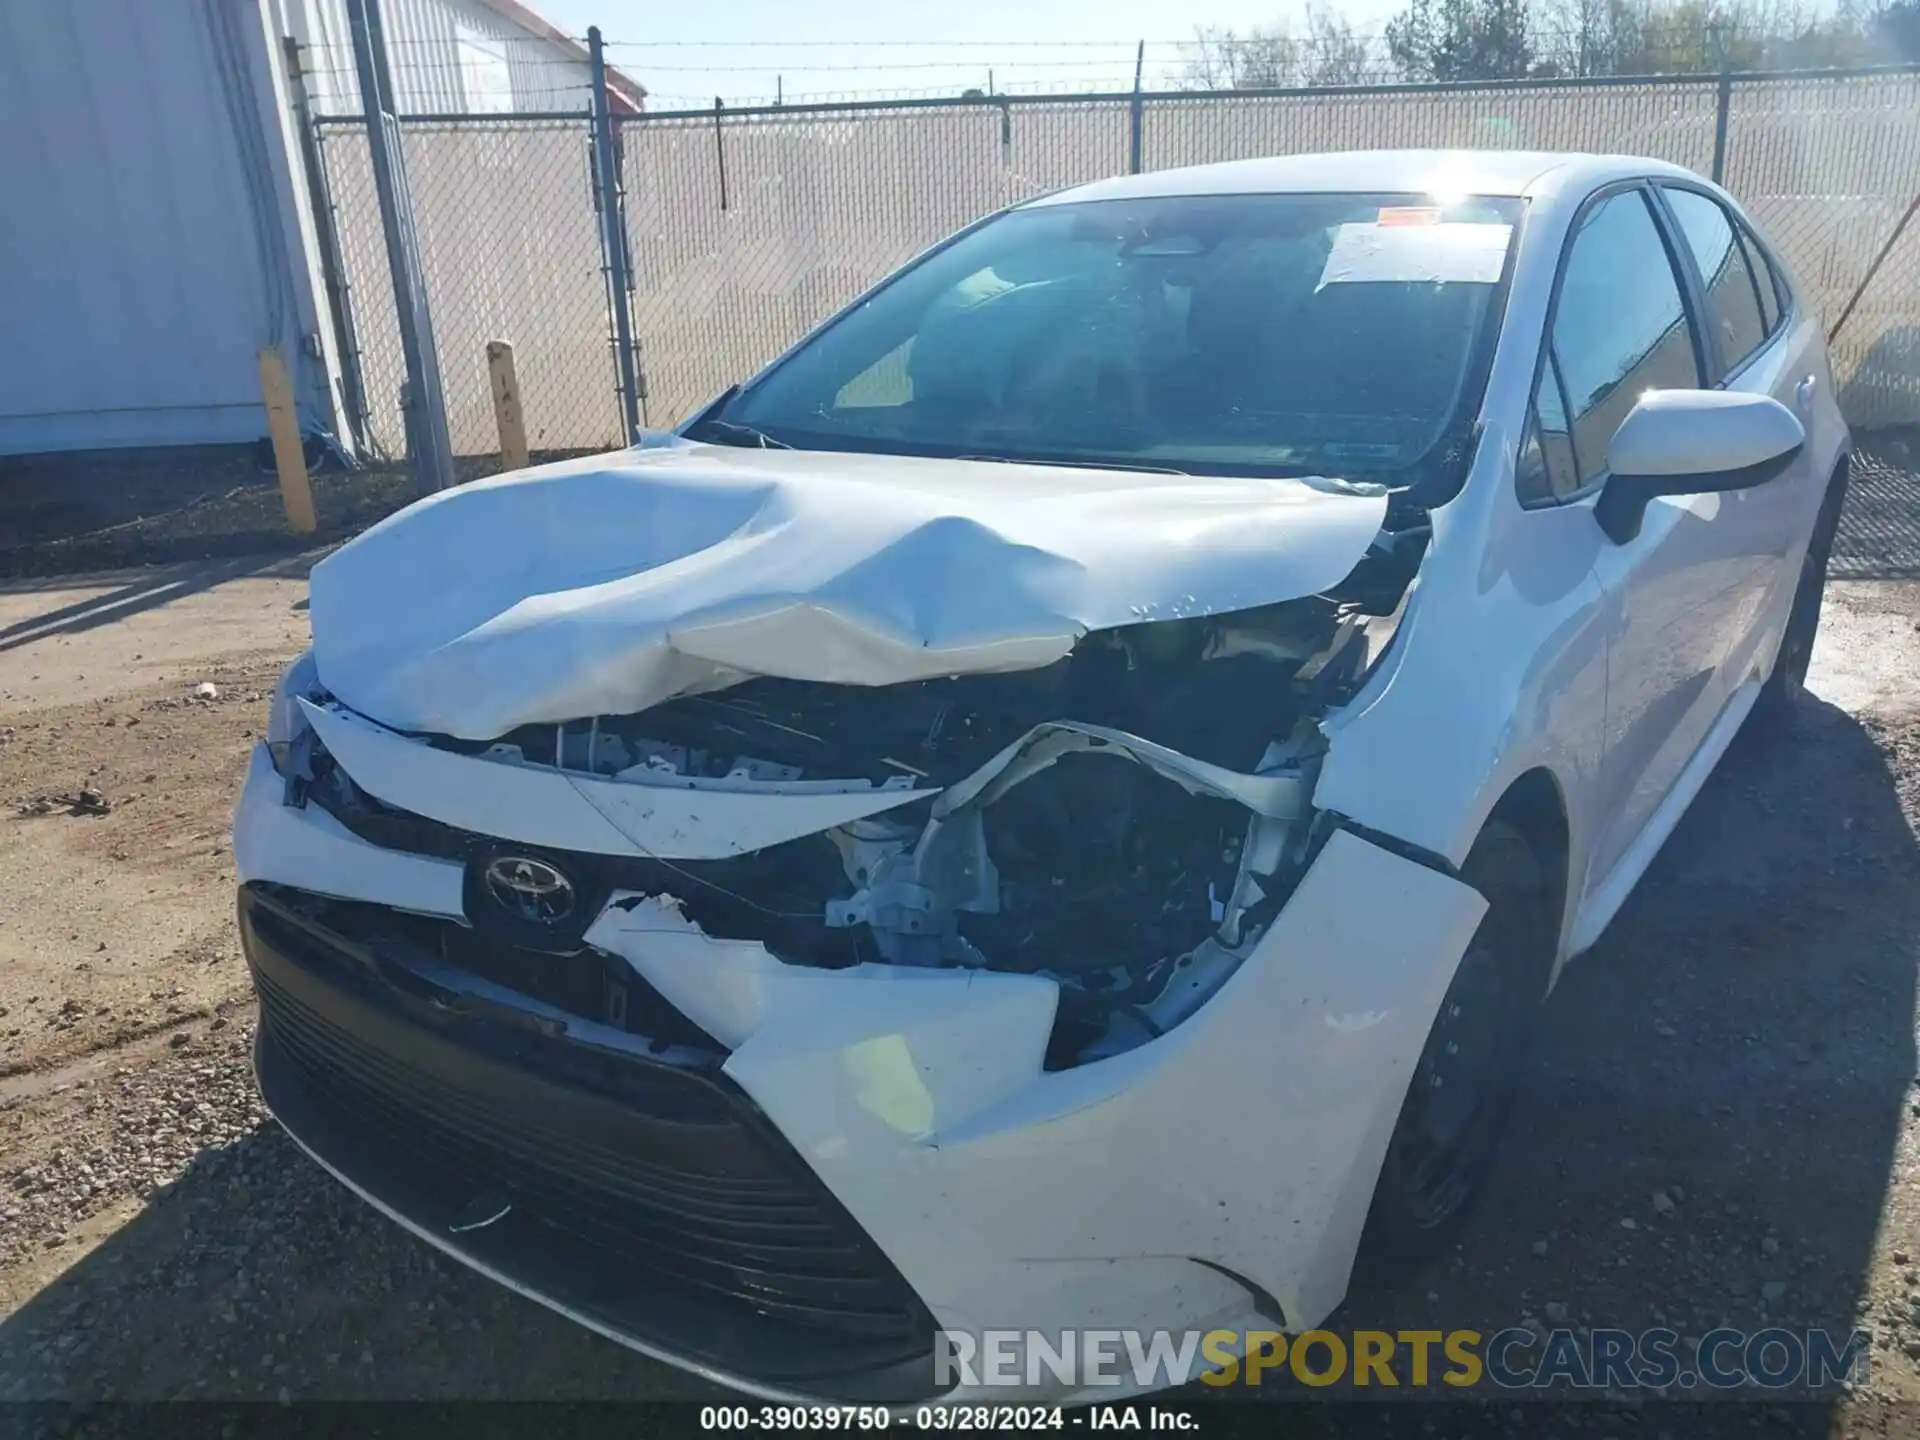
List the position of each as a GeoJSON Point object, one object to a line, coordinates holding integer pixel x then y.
{"type": "Point", "coordinates": [92, 510]}
{"type": "Point", "coordinates": [1719, 1125]}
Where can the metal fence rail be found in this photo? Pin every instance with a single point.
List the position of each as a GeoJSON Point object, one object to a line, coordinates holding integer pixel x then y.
{"type": "Point", "coordinates": [744, 228]}
{"type": "Point", "coordinates": [510, 249]}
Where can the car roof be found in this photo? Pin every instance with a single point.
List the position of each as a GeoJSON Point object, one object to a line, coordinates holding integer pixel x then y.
{"type": "Point", "coordinates": [1468, 172]}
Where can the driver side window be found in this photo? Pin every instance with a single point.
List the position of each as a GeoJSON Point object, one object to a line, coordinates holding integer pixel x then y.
{"type": "Point", "coordinates": [1619, 329]}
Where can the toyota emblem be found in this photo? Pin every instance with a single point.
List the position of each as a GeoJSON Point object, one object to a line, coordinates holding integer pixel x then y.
{"type": "Point", "coordinates": [530, 889]}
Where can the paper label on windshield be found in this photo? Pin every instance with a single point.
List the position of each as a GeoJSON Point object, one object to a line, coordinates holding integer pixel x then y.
{"type": "Point", "coordinates": [1457, 252]}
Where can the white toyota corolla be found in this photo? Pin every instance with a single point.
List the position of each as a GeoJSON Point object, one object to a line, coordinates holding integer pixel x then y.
{"type": "Point", "coordinates": [1053, 804]}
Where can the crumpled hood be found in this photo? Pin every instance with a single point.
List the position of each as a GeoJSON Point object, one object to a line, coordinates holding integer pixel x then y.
{"type": "Point", "coordinates": [608, 584]}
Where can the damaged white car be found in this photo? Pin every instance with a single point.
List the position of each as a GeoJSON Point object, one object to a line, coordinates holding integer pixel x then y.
{"type": "Point", "coordinates": [1052, 805]}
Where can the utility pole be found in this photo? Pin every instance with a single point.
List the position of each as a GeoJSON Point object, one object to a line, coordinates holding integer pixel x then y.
{"type": "Point", "coordinates": [429, 450]}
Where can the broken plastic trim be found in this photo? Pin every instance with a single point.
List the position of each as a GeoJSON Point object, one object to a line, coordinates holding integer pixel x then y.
{"type": "Point", "coordinates": [915, 895]}
{"type": "Point", "coordinates": [1278, 796]}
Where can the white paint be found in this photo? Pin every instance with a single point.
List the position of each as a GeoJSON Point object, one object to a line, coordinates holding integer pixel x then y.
{"type": "Point", "coordinates": [606, 585]}
{"type": "Point", "coordinates": [1577, 648]}
{"type": "Point", "coordinates": [306, 847]}
{"type": "Point", "coordinates": [669, 816]}
{"type": "Point", "coordinates": [1249, 1137]}
{"type": "Point", "coordinates": [1606, 897]}
{"type": "Point", "coordinates": [1699, 432]}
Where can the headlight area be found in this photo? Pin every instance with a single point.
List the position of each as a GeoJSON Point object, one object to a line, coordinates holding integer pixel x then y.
{"type": "Point", "coordinates": [1133, 863]}
{"type": "Point", "coordinates": [285, 724]}
{"type": "Point", "coordinates": [1134, 877]}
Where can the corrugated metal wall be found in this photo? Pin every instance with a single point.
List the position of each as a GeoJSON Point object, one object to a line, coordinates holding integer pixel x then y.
{"type": "Point", "coordinates": [140, 270]}
{"type": "Point", "coordinates": [447, 57]}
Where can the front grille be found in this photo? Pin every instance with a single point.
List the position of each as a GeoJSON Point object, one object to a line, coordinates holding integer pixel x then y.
{"type": "Point", "coordinates": [772, 896]}
{"type": "Point", "coordinates": [656, 1166]}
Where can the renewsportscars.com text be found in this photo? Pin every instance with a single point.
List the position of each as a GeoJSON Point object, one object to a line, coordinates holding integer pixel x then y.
{"type": "Point", "coordinates": [1516, 1358]}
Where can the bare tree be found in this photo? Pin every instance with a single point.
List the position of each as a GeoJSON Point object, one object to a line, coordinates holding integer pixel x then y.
{"type": "Point", "coordinates": [1461, 40]}
{"type": "Point", "coordinates": [1265, 57]}
{"type": "Point", "coordinates": [1892, 33]}
{"type": "Point", "coordinates": [1589, 37]}
{"type": "Point", "coordinates": [1332, 54]}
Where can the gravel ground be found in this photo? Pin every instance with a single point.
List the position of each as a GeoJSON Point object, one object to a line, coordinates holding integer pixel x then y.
{"type": "Point", "coordinates": [1720, 1123]}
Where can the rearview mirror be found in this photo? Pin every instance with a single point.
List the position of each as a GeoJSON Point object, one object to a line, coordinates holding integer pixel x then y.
{"type": "Point", "coordinates": [1692, 442]}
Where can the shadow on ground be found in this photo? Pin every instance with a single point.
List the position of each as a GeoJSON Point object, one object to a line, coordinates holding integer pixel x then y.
{"type": "Point", "coordinates": [131, 592]}
{"type": "Point", "coordinates": [1879, 535]}
{"type": "Point", "coordinates": [1741, 1041]}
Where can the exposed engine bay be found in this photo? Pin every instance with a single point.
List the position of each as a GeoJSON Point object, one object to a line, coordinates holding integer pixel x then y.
{"type": "Point", "coordinates": [1127, 820]}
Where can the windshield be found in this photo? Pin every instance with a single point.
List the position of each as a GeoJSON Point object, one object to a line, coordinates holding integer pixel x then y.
{"type": "Point", "coordinates": [1247, 334]}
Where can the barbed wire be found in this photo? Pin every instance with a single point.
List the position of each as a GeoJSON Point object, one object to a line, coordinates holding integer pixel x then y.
{"type": "Point", "coordinates": [1023, 66]}
{"type": "Point", "coordinates": [1201, 36]}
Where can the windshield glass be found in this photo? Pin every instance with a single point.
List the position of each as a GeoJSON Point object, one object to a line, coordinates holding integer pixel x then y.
{"type": "Point", "coordinates": [1248, 334]}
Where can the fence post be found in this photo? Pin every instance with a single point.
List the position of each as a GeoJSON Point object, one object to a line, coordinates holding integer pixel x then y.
{"type": "Point", "coordinates": [613, 238]}
{"type": "Point", "coordinates": [283, 426]}
{"type": "Point", "coordinates": [333, 271]}
{"type": "Point", "coordinates": [1135, 112]}
{"type": "Point", "coordinates": [1723, 104]}
{"type": "Point", "coordinates": [508, 418]}
{"type": "Point", "coordinates": [429, 451]}
{"type": "Point", "coordinates": [720, 148]}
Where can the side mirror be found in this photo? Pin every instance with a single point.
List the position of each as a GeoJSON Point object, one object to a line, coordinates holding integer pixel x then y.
{"type": "Point", "coordinates": [1692, 442]}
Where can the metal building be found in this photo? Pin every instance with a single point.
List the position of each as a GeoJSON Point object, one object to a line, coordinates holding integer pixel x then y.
{"type": "Point", "coordinates": [450, 57]}
{"type": "Point", "coordinates": [156, 230]}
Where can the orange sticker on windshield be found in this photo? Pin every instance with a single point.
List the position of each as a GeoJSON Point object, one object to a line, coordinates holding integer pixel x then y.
{"type": "Point", "coordinates": [1409, 215]}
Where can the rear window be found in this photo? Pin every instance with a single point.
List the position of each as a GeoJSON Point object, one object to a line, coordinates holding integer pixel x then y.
{"type": "Point", "coordinates": [1772, 289]}
{"type": "Point", "coordinates": [1735, 315]}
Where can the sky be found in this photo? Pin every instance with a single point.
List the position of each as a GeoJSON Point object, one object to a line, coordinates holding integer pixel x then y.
{"type": "Point", "coordinates": [686, 53]}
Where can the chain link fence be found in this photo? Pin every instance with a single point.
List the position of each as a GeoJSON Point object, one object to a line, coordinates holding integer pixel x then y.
{"type": "Point", "coordinates": [746, 228]}
{"type": "Point", "coordinates": [1666, 121]}
{"type": "Point", "coordinates": [510, 248]}
{"type": "Point", "coordinates": [1827, 167]}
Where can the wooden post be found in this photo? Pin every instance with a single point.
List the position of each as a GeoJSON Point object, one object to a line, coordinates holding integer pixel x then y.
{"type": "Point", "coordinates": [506, 406]}
{"type": "Point", "coordinates": [283, 424]}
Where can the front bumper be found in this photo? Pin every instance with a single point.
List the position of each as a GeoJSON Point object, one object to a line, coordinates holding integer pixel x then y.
{"type": "Point", "coordinates": [643, 1191]}
{"type": "Point", "coordinates": [1217, 1177]}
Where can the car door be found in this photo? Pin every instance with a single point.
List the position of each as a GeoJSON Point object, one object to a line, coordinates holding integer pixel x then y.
{"type": "Point", "coordinates": [1676, 595]}
{"type": "Point", "coordinates": [1752, 346]}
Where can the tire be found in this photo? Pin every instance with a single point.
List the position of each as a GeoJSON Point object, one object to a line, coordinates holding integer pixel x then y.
{"type": "Point", "coordinates": [1787, 681]}
{"type": "Point", "coordinates": [1462, 1087]}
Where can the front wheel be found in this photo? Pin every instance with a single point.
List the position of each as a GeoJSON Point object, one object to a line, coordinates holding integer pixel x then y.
{"type": "Point", "coordinates": [1463, 1083]}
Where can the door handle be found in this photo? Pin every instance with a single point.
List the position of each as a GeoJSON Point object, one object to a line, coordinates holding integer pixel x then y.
{"type": "Point", "coordinates": [1803, 392]}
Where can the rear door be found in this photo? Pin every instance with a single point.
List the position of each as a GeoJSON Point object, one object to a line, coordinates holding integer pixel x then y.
{"type": "Point", "coordinates": [1676, 595]}
{"type": "Point", "coordinates": [1753, 344]}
